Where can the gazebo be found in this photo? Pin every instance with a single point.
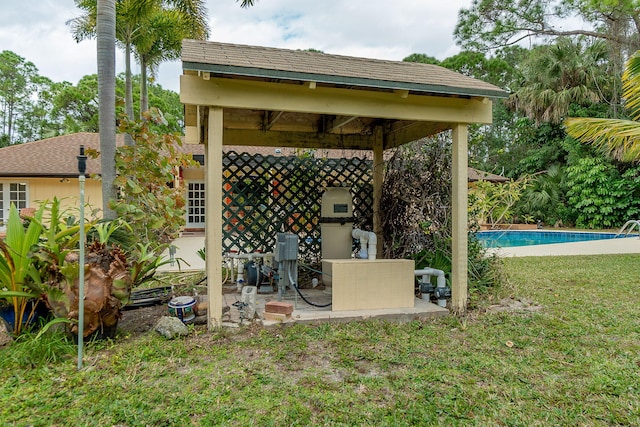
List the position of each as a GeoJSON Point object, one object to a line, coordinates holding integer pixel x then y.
{"type": "Point", "coordinates": [251, 95]}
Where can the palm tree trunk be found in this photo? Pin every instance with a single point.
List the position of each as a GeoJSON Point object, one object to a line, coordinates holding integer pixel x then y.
{"type": "Point", "coordinates": [128, 101]}
{"type": "Point", "coordinates": [144, 95]}
{"type": "Point", "coordinates": [106, 52]}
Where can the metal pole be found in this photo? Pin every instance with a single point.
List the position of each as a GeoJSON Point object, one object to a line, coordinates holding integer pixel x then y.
{"type": "Point", "coordinates": [82, 159]}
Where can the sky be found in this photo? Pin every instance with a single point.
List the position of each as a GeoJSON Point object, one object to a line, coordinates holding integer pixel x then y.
{"type": "Point", "coordinates": [383, 29]}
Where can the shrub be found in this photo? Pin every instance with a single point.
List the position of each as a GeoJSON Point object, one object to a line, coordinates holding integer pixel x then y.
{"type": "Point", "coordinates": [417, 215]}
{"type": "Point", "coordinates": [598, 196]}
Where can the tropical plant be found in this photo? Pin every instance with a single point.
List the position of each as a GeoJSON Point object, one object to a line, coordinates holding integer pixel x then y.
{"type": "Point", "coordinates": [493, 203]}
{"type": "Point", "coordinates": [56, 260]}
{"type": "Point", "coordinates": [161, 41]}
{"type": "Point", "coordinates": [16, 269]}
{"type": "Point", "coordinates": [149, 203]}
{"type": "Point", "coordinates": [618, 137]}
{"type": "Point", "coordinates": [544, 197]}
{"type": "Point", "coordinates": [145, 263]}
{"type": "Point", "coordinates": [559, 75]}
{"type": "Point", "coordinates": [39, 260]}
{"type": "Point", "coordinates": [151, 29]}
{"type": "Point", "coordinates": [598, 196]}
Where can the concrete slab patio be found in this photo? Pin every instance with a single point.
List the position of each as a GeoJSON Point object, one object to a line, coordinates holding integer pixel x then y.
{"type": "Point", "coordinates": [186, 250]}
{"type": "Point", "coordinates": [304, 313]}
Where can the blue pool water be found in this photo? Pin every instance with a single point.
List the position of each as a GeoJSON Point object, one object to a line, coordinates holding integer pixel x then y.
{"type": "Point", "coordinates": [510, 238]}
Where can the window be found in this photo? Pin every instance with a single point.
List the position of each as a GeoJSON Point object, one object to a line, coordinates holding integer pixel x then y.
{"type": "Point", "coordinates": [11, 192]}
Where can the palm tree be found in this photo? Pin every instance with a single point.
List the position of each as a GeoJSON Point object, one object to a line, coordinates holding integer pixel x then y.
{"type": "Point", "coordinates": [543, 198]}
{"type": "Point", "coordinates": [618, 137]}
{"type": "Point", "coordinates": [106, 52]}
{"type": "Point", "coordinates": [130, 16]}
{"type": "Point", "coordinates": [134, 19]}
{"type": "Point", "coordinates": [559, 75]}
{"type": "Point", "coordinates": [162, 39]}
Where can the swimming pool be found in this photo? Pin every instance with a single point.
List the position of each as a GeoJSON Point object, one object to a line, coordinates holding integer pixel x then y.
{"type": "Point", "coordinates": [510, 238]}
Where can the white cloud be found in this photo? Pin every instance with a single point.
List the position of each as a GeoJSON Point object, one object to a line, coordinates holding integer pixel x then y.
{"type": "Point", "coordinates": [383, 29]}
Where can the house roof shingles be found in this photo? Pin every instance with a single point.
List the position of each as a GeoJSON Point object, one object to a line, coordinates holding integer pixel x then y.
{"type": "Point", "coordinates": [51, 157]}
{"type": "Point", "coordinates": [265, 62]}
{"type": "Point", "coordinates": [57, 156]}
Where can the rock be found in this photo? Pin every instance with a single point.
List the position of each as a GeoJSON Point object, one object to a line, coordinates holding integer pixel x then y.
{"type": "Point", "coordinates": [5, 334]}
{"type": "Point", "coordinates": [171, 327]}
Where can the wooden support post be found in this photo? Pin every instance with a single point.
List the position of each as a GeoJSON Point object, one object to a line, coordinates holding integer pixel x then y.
{"type": "Point", "coordinates": [459, 220]}
{"type": "Point", "coordinates": [378, 179]}
{"type": "Point", "coordinates": [213, 220]}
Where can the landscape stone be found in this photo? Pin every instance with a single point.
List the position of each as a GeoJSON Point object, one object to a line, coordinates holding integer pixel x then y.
{"type": "Point", "coordinates": [5, 334]}
{"type": "Point", "coordinates": [171, 327]}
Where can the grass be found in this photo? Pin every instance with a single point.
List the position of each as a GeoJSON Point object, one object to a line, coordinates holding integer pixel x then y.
{"type": "Point", "coordinates": [570, 357]}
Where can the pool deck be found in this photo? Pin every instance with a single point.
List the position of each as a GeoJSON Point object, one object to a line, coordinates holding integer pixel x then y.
{"type": "Point", "coordinates": [628, 245]}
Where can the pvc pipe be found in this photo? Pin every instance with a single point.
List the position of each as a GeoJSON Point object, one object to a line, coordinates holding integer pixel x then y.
{"type": "Point", "coordinates": [248, 256]}
{"type": "Point", "coordinates": [368, 243]}
{"type": "Point", "coordinates": [232, 256]}
{"type": "Point", "coordinates": [240, 281]}
{"type": "Point", "coordinates": [441, 281]}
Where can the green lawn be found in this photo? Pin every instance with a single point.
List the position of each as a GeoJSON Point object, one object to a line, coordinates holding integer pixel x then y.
{"type": "Point", "coordinates": [571, 357]}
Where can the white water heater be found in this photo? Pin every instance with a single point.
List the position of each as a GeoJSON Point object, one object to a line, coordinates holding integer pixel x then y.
{"type": "Point", "coordinates": [336, 223]}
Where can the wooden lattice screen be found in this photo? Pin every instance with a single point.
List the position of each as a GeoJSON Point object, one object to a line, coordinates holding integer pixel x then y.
{"type": "Point", "coordinates": [264, 195]}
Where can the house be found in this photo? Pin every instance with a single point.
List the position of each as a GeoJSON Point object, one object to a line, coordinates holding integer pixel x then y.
{"type": "Point", "coordinates": [41, 170]}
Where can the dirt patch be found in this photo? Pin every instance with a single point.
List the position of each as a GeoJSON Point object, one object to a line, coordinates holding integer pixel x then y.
{"type": "Point", "coordinates": [515, 304]}
{"type": "Point", "coordinates": [141, 319]}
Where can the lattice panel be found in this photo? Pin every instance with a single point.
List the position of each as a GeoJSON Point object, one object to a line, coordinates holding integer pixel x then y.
{"type": "Point", "coordinates": [264, 195]}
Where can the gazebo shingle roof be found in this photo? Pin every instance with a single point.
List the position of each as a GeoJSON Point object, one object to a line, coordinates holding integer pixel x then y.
{"type": "Point", "coordinates": [265, 62]}
{"type": "Point", "coordinates": [479, 175]}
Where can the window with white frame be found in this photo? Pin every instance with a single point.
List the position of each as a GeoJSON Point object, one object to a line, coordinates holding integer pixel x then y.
{"type": "Point", "coordinates": [11, 192]}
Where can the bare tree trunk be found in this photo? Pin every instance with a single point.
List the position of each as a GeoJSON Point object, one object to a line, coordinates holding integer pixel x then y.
{"type": "Point", "coordinates": [106, 52]}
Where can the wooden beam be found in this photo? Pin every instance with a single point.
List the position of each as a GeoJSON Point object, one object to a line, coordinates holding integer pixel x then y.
{"type": "Point", "coordinates": [296, 139]}
{"type": "Point", "coordinates": [405, 132]}
{"type": "Point", "coordinates": [213, 221]}
{"type": "Point", "coordinates": [337, 123]}
{"type": "Point", "coordinates": [272, 118]}
{"type": "Point", "coordinates": [191, 115]}
{"type": "Point", "coordinates": [459, 220]}
{"type": "Point", "coordinates": [378, 180]}
{"type": "Point", "coordinates": [247, 94]}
